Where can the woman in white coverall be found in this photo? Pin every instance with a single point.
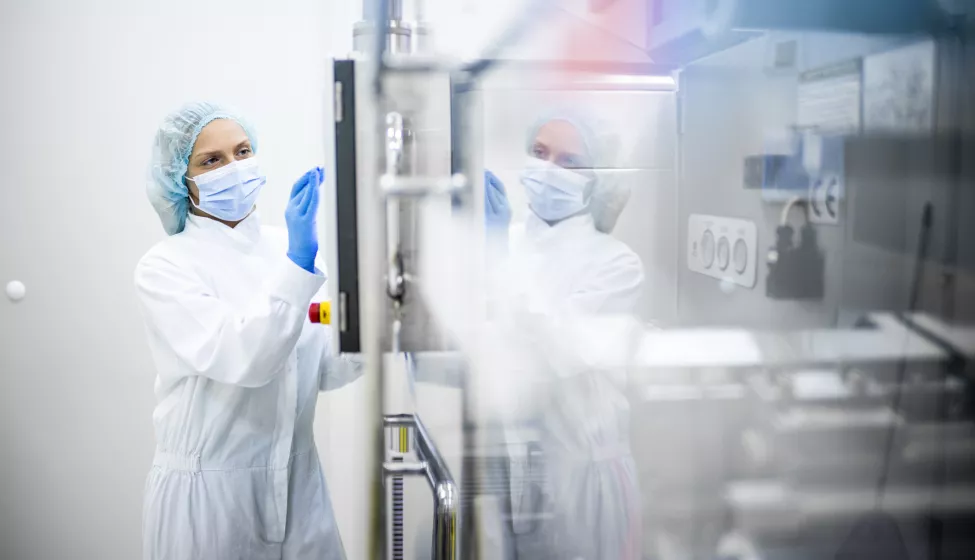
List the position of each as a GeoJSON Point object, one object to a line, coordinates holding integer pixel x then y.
{"type": "Point", "coordinates": [236, 474]}
{"type": "Point", "coordinates": [569, 268]}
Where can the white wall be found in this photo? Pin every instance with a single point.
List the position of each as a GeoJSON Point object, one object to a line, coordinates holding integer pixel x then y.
{"type": "Point", "coordinates": [84, 84]}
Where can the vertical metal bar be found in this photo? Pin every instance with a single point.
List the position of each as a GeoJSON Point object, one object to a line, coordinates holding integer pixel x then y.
{"type": "Point", "coordinates": [463, 161]}
{"type": "Point", "coordinates": [371, 216]}
{"type": "Point", "coordinates": [396, 10]}
{"type": "Point", "coordinates": [445, 506]}
{"type": "Point", "coordinates": [393, 156]}
{"type": "Point", "coordinates": [379, 49]}
{"type": "Point", "coordinates": [951, 52]}
{"type": "Point", "coordinates": [951, 69]}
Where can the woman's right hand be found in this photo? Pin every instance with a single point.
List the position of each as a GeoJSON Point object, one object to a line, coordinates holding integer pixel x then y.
{"type": "Point", "coordinates": [300, 216]}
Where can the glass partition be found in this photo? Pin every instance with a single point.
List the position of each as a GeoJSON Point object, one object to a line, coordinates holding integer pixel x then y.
{"type": "Point", "coordinates": [724, 305]}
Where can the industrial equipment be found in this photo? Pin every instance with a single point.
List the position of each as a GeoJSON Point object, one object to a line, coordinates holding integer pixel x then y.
{"type": "Point", "coordinates": [826, 413]}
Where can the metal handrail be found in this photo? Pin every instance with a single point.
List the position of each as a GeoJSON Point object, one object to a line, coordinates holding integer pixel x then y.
{"type": "Point", "coordinates": [445, 496]}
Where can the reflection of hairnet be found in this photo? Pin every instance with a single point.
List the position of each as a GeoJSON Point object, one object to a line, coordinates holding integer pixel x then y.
{"type": "Point", "coordinates": [170, 157]}
{"type": "Point", "coordinates": [609, 195]}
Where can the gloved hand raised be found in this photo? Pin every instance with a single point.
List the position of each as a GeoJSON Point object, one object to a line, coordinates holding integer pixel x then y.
{"type": "Point", "coordinates": [300, 216]}
{"type": "Point", "coordinates": [497, 211]}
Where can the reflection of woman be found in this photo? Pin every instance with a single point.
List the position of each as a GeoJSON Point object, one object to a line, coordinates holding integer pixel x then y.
{"type": "Point", "coordinates": [236, 474]}
{"type": "Point", "coordinates": [572, 269]}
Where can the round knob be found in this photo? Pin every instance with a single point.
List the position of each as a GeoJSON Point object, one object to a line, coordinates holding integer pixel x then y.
{"type": "Point", "coordinates": [724, 253]}
{"type": "Point", "coordinates": [741, 256]}
{"type": "Point", "coordinates": [16, 290]}
{"type": "Point", "coordinates": [707, 249]}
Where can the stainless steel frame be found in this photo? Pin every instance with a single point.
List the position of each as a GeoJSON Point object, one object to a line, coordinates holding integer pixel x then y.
{"type": "Point", "coordinates": [382, 187]}
{"type": "Point", "coordinates": [431, 465]}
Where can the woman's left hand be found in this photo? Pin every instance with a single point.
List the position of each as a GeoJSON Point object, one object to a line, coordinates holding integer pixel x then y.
{"type": "Point", "coordinates": [497, 211]}
{"type": "Point", "coordinates": [301, 217]}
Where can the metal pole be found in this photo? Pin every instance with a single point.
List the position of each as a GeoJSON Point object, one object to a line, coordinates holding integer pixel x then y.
{"type": "Point", "coordinates": [445, 496]}
{"type": "Point", "coordinates": [463, 163]}
{"type": "Point", "coordinates": [445, 502]}
{"type": "Point", "coordinates": [371, 237]}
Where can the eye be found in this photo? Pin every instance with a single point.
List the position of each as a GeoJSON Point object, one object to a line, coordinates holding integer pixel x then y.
{"type": "Point", "coordinates": [573, 161]}
{"type": "Point", "coordinates": [567, 162]}
{"type": "Point", "coordinates": [209, 161]}
{"type": "Point", "coordinates": [539, 151]}
{"type": "Point", "coordinates": [245, 152]}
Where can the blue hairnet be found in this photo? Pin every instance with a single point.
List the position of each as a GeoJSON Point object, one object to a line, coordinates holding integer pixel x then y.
{"type": "Point", "coordinates": [609, 195]}
{"type": "Point", "coordinates": [171, 155]}
{"type": "Point", "coordinates": [582, 123]}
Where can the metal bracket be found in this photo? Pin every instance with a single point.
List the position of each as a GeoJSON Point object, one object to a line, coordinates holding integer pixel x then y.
{"type": "Point", "coordinates": [397, 185]}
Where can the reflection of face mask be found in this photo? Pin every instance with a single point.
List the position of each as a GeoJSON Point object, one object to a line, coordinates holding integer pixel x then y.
{"type": "Point", "coordinates": [554, 193]}
{"type": "Point", "coordinates": [229, 192]}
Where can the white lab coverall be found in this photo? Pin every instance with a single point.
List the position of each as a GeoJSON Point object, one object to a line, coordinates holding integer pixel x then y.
{"type": "Point", "coordinates": [572, 272]}
{"type": "Point", "coordinates": [236, 475]}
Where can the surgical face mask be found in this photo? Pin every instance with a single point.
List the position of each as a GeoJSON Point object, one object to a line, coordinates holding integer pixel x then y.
{"type": "Point", "coordinates": [229, 192]}
{"type": "Point", "coordinates": [554, 193]}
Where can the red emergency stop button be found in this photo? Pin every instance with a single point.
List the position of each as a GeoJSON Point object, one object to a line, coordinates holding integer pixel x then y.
{"type": "Point", "coordinates": [320, 313]}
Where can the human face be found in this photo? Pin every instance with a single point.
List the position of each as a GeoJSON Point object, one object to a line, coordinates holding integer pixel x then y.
{"type": "Point", "coordinates": [219, 143]}
{"type": "Point", "coordinates": [560, 143]}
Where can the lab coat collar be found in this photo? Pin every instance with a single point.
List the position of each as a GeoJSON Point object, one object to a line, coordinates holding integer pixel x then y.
{"type": "Point", "coordinates": [246, 234]}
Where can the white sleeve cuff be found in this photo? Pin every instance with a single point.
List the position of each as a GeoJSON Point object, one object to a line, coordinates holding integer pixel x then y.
{"type": "Point", "coordinates": [295, 285]}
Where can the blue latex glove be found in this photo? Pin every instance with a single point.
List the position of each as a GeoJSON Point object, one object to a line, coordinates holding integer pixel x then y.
{"type": "Point", "coordinates": [497, 211]}
{"type": "Point", "coordinates": [301, 217]}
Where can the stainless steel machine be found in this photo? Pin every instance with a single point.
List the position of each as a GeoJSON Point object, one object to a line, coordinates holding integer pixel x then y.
{"type": "Point", "coordinates": [798, 388]}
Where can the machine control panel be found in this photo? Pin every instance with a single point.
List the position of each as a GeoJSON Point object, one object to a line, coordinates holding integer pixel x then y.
{"type": "Point", "coordinates": [723, 248]}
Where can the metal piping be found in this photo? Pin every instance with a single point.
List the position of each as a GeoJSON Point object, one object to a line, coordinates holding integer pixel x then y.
{"type": "Point", "coordinates": [395, 10]}
{"type": "Point", "coordinates": [384, 22]}
{"type": "Point", "coordinates": [379, 48]}
{"type": "Point", "coordinates": [437, 472]}
{"type": "Point", "coordinates": [371, 217]}
{"type": "Point", "coordinates": [394, 7]}
{"type": "Point", "coordinates": [399, 420]}
{"type": "Point", "coordinates": [400, 469]}
{"type": "Point", "coordinates": [445, 521]}
{"type": "Point", "coordinates": [394, 164]}
{"type": "Point", "coordinates": [398, 185]}
{"type": "Point", "coordinates": [446, 502]}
